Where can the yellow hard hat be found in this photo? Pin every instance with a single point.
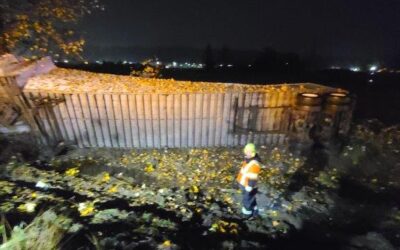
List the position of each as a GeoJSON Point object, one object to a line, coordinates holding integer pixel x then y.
{"type": "Point", "coordinates": [250, 147]}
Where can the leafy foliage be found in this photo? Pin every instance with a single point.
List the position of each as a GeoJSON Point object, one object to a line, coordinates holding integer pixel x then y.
{"type": "Point", "coordinates": [35, 28]}
{"type": "Point", "coordinates": [148, 69]}
{"type": "Point", "coordinates": [45, 232]}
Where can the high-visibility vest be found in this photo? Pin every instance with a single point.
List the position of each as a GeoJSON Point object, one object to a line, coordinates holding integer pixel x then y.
{"type": "Point", "coordinates": [248, 171]}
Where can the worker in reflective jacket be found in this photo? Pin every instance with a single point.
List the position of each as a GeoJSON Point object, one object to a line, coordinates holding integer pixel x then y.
{"type": "Point", "coordinates": [247, 179]}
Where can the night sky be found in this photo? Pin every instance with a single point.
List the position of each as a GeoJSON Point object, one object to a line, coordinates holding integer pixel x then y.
{"type": "Point", "coordinates": [350, 28]}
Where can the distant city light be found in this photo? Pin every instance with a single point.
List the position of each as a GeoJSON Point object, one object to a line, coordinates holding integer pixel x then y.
{"type": "Point", "coordinates": [86, 62]}
{"type": "Point", "coordinates": [335, 67]}
{"type": "Point", "coordinates": [99, 62]}
{"type": "Point", "coordinates": [370, 81]}
{"type": "Point", "coordinates": [125, 62]}
{"type": "Point", "coordinates": [184, 65]}
{"type": "Point", "coordinates": [66, 61]}
{"type": "Point", "coordinates": [249, 65]}
{"type": "Point", "coordinates": [373, 68]}
{"type": "Point", "coordinates": [230, 65]}
{"type": "Point", "coordinates": [355, 69]}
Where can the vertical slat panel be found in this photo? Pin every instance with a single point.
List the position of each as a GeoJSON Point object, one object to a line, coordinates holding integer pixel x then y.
{"type": "Point", "coordinates": [148, 114]}
{"type": "Point", "coordinates": [163, 120]}
{"type": "Point", "coordinates": [72, 134]}
{"type": "Point", "coordinates": [268, 139]}
{"type": "Point", "coordinates": [278, 113]}
{"type": "Point", "coordinates": [50, 125]}
{"type": "Point", "coordinates": [199, 120]}
{"type": "Point", "coordinates": [265, 114]}
{"type": "Point", "coordinates": [286, 112]}
{"type": "Point", "coordinates": [74, 119]}
{"type": "Point", "coordinates": [27, 108]}
{"type": "Point", "coordinates": [239, 118]}
{"type": "Point", "coordinates": [184, 120]}
{"type": "Point", "coordinates": [126, 120]}
{"type": "Point", "coordinates": [141, 119]}
{"type": "Point", "coordinates": [232, 139]}
{"type": "Point", "coordinates": [44, 115]}
{"type": "Point", "coordinates": [213, 108]}
{"type": "Point", "coordinates": [109, 106]}
{"type": "Point", "coordinates": [272, 104]}
{"type": "Point", "coordinates": [205, 120]}
{"type": "Point", "coordinates": [102, 104]}
{"type": "Point", "coordinates": [155, 116]}
{"type": "Point", "coordinates": [134, 121]}
{"type": "Point", "coordinates": [77, 106]}
{"type": "Point", "coordinates": [59, 117]}
{"type": "Point", "coordinates": [225, 119]}
{"type": "Point", "coordinates": [246, 115]}
{"type": "Point", "coordinates": [54, 120]}
{"type": "Point", "coordinates": [219, 118]}
{"type": "Point", "coordinates": [87, 119]}
{"type": "Point", "coordinates": [40, 118]}
{"type": "Point", "coordinates": [253, 116]}
{"type": "Point", "coordinates": [98, 123]}
{"type": "Point", "coordinates": [92, 113]}
{"type": "Point", "coordinates": [118, 120]}
{"type": "Point", "coordinates": [260, 100]}
{"type": "Point", "coordinates": [274, 139]}
{"type": "Point", "coordinates": [191, 119]}
{"type": "Point", "coordinates": [177, 120]}
{"type": "Point", "coordinates": [170, 121]}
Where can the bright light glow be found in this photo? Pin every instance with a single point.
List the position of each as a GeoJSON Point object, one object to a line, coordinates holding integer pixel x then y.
{"type": "Point", "coordinates": [309, 95]}
{"type": "Point", "coordinates": [338, 94]}
{"type": "Point", "coordinates": [125, 62]}
{"type": "Point", "coordinates": [66, 61]}
{"type": "Point", "coordinates": [230, 65]}
{"type": "Point", "coordinates": [370, 80]}
{"type": "Point", "coordinates": [373, 68]}
{"type": "Point", "coordinates": [184, 65]}
{"type": "Point", "coordinates": [158, 63]}
{"type": "Point", "coordinates": [99, 62]}
{"type": "Point", "coordinates": [86, 62]}
{"type": "Point", "coordinates": [355, 69]}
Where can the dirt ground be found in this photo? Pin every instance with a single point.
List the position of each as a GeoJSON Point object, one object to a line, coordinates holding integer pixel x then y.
{"type": "Point", "coordinates": [326, 197]}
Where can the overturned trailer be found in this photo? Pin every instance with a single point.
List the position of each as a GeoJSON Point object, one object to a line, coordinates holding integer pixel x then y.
{"type": "Point", "coordinates": [104, 110]}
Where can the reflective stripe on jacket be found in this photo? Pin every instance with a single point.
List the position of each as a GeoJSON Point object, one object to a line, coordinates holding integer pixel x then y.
{"type": "Point", "coordinates": [248, 172]}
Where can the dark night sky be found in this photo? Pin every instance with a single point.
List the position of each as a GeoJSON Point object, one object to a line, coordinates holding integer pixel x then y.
{"type": "Point", "coordinates": [343, 28]}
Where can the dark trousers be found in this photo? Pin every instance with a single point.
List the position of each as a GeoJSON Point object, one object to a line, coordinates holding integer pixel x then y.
{"type": "Point", "coordinates": [249, 201]}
